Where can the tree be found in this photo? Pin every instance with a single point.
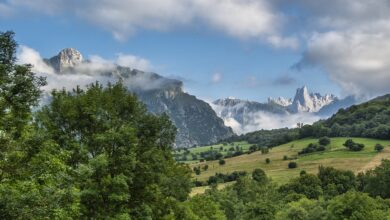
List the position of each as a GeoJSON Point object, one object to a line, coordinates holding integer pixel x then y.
{"type": "Point", "coordinates": [222, 162]}
{"type": "Point", "coordinates": [264, 150]}
{"type": "Point", "coordinates": [351, 145]}
{"type": "Point", "coordinates": [205, 167]}
{"type": "Point", "coordinates": [302, 209]}
{"type": "Point", "coordinates": [267, 160]}
{"type": "Point", "coordinates": [35, 182]}
{"type": "Point", "coordinates": [324, 141]}
{"type": "Point", "coordinates": [335, 182]}
{"type": "Point", "coordinates": [259, 176]}
{"type": "Point", "coordinates": [308, 185]}
{"type": "Point", "coordinates": [121, 155]}
{"type": "Point", "coordinates": [292, 165]}
{"type": "Point", "coordinates": [355, 205]}
{"type": "Point", "coordinates": [377, 181]}
{"type": "Point", "coordinates": [379, 147]}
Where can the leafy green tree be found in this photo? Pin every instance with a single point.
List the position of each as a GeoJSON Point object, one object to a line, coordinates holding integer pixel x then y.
{"type": "Point", "coordinates": [120, 153]}
{"type": "Point", "coordinates": [335, 182]}
{"type": "Point", "coordinates": [205, 207]}
{"type": "Point", "coordinates": [324, 141]}
{"type": "Point", "coordinates": [307, 184]}
{"type": "Point", "coordinates": [267, 160]}
{"type": "Point", "coordinates": [259, 176]}
{"type": "Point", "coordinates": [351, 145]}
{"type": "Point", "coordinates": [355, 205]}
{"type": "Point", "coordinates": [292, 165]}
{"type": "Point", "coordinates": [35, 181]}
{"type": "Point", "coordinates": [376, 182]}
{"type": "Point", "coordinates": [222, 162]}
{"type": "Point", "coordinates": [379, 147]}
{"type": "Point", "coordinates": [304, 209]}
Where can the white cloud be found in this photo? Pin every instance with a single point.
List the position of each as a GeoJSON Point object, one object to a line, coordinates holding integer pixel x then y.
{"type": "Point", "coordinates": [244, 19]}
{"type": "Point", "coordinates": [134, 62]}
{"type": "Point", "coordinates": [216, 78]}
{"type": "Point", "coordinates": [28, 55]}
{"type": "Point", "coordinates": [265, 120]}
{"type": "Point", "coordinates": [359, 62]}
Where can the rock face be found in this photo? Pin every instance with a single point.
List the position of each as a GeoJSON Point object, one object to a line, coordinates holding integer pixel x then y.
{"type": "Point", "coordinates": [310, 102]}
{"type": "Point", "coordinates": [195, 120]}
{"type": "Point", "coordinates": [67, 58]}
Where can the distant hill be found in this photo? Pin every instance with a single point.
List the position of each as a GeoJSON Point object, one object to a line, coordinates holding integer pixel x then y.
{"type": "Point", "coordinates": [369, 119]}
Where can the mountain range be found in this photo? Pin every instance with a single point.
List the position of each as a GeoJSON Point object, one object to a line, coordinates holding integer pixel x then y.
{"type": "Point", "coordinates": [305, 107]}
{"type": "Point", "coordinates": [195, 120]}
{"type": "Point", "coordinates": [198, 122]}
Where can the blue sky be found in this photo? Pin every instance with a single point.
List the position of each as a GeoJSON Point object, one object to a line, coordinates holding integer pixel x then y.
{"type": "Point", "coordinates": [247, 46]}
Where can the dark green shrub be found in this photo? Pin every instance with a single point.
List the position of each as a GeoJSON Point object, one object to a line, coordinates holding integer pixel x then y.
{"type": "Point", "coordinates": [292, 165]}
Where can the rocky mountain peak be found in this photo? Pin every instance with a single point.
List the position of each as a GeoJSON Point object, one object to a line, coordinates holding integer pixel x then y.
{"type": "Point", "coordinates": [310, 102]}
{"type": "Point", "coordinates": [66, 58]}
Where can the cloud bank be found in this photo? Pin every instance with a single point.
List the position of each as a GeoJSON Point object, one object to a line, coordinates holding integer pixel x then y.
{"type": "Point", "coordinates": [244, 19]}
{"type": "Point", "coordinates": [265, 120]}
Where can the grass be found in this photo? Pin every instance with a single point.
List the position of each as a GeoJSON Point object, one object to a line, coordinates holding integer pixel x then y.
{"type": "Point", "coordinates": [336, 156]}
{"type": "Point", "coordinates": [223, 149]}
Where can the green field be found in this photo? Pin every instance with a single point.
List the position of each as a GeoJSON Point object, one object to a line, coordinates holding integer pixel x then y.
{"type": "Point", "coordinates": [221, 148]}
{"type": "Point", "coordinates": [336, 156]}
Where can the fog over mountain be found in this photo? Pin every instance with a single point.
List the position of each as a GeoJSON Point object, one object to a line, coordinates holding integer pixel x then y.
{"type": "Point", "coordinates": [246, 116]}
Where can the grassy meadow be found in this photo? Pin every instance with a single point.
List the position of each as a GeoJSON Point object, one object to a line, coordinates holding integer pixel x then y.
{"type": "Point", "coordinates": [336, 156]}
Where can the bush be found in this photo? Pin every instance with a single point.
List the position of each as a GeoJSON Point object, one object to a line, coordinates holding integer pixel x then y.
{"type": "Point", "coordinates": [222, 162]}
{"type": "Point", "coordinates": [264, 150]}
{"type": "Point", "coordinates": [267, 160]}
{"type": "Point", "coordinates": [324, 141]}
{"type": "Point", "coordinates": [259, 176]}
{"type": "Point", "coordinates": [285, 157]}
{"type": "Point", "coordinates": [206, 167]}
{"type": "Point", "coordinates": [197, 170]}
{"type": "Point", "coordinates": [292, 165]}
{"type": "Point", "coordinates": [312, 148]}
{"type": "Point", "coordinates": [351, 145]}
{"type": "Point", "coordinates": [379, 147]}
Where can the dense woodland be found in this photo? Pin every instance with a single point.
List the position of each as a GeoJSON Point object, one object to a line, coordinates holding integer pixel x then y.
{"type": "Point", "coordinates": [96, 153]}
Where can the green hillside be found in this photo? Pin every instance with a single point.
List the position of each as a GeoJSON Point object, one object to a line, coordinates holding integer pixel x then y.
{"type": "Point", "coordinates": [336, 156]}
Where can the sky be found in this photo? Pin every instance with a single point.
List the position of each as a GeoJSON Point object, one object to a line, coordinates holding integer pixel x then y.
{"type": "Point", "coordinates": [248, 49]}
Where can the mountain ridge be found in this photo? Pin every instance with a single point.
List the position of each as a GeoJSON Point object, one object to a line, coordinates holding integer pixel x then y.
{"type": "Point", "coordinates": [195, 120]}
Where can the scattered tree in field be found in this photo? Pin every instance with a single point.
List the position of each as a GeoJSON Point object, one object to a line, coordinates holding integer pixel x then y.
{"type": "Point", "coordinates": [264, 150]}
{"type": "Point", "coordinates": [351, 145]}
{"type": "Point", "coordinates": [325, 141]}
{"type": "Point", "coordinates": [222, 162]}
{"type": "Point", "coordinates": [292, 165]}
{"type": "Point", "coordinates": [205, 167]}
{"type": "Point", "coordinates": [197, 170]}
{"type": "Point", "coordinates": [285, 157]}
{"type": "Point", "coordinates": [267, 160]}
{"type": "Point", "coordinates": [379, 147]}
